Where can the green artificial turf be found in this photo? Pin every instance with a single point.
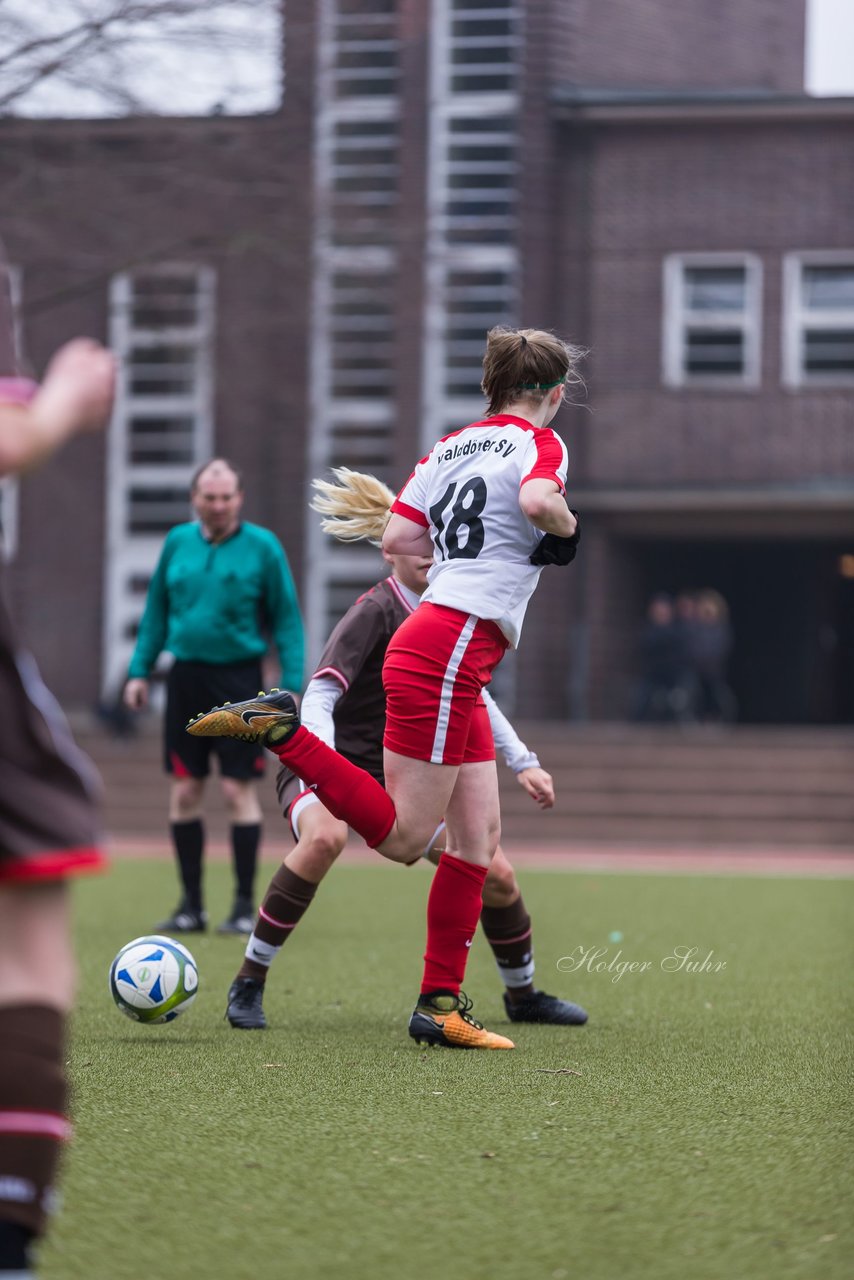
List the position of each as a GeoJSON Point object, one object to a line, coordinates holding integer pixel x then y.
{"type": "Point", "coordinates": [706, 1134]}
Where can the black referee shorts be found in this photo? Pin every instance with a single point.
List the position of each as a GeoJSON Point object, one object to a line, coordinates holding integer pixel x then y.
{"type": "Point", "coordinates": [193, 687]}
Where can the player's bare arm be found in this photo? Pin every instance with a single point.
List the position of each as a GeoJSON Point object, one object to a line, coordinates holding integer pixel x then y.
{"type": "Point", "coordinates": [76, 396]}
{"type": "Point", "coordinates": [404, 537]}
{"type": "Point", "coordinates": [545, 506]}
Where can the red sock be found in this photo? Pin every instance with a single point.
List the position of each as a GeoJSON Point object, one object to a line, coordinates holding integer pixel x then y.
{"type": "Point", "coordinates": [348, 792]}
{"type": "Point", "coordinates": [453, 910]}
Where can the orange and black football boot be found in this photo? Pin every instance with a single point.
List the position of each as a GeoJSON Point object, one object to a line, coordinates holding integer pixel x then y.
{"type": "Point", "coordinates": [442, 1020]}
{"type": "Point", "coordinates": [270, 719]}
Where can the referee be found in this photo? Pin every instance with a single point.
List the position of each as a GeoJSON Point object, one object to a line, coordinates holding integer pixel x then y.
{"type": "Point", "coordinates": [221, 586]}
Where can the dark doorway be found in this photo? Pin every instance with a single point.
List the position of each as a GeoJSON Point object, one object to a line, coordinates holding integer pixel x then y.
{"type": "Point", "coordinates": [792, 613]}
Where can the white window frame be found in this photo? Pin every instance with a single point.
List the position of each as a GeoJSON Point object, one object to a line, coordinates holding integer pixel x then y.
{"type": "Point", "coordinates": [336, 414]}
{"type": "Point", "coordinates": [797, 318]}
{"type": "Point", "coordinates": [130, 554]}
{"type": "Point", "coordinates": [10, 485]}
{"type": "Point", "coordinates": [676, 320]}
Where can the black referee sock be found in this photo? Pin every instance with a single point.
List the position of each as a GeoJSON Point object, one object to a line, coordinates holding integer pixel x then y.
{"type": "Point", "coordinates": [189, 841]}
{"type": "Point", "coordinates": [245, 842]}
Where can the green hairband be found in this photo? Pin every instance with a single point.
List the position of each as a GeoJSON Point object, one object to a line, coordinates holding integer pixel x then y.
{"type": "Point", "coordinates": [539, 386]}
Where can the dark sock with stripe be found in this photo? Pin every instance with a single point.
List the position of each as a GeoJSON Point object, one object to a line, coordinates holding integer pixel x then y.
{"type": "Point", "coordinates": [33, 1095]}
{"type": "Point", "coordinates": [508, 931]}
{"type": "Point", "coordinates": [285, 903]}
{"type": "Point", "coordinates": [245, 842]}
{"type": "Point", "coordinates": [189, 841]}
{"type": "Point", "coordinates": [453, 908]}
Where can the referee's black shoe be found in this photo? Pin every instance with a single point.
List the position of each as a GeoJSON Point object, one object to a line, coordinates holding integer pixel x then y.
{"type": "Point", "coordinates": [241, 920]}
{"type": "Point", "coordinates": [538, 1007]}
{"type": "Point", "coordinates": [245, 1005]}
{"type": "Point", "coordinates": [184, 919]}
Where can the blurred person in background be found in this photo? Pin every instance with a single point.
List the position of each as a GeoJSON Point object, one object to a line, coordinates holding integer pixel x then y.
{"type": "Point", "coordinates": [711, 645]}
{"type": "Point", "coordinates": [687, 623]}
{"type": "Point", "coordinates": [662, 693]}
{"type": "Point", "coordinates": [221, 584]}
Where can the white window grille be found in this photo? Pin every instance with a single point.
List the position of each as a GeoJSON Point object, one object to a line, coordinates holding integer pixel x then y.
{"type": "Point", "coordinates": [357, 165]}
{"type": "Point", "coordinates": [472, 262]}
{"type": "Point", "coordinates": [480, 180]}
{"type": "Point", "coordinates": [818, 319]}
{"type": "Point", "coordinates": [9, 484]}
{"type": "Point", "coordinates": [483, 45]}
{"type": "Point", "coordinates": [161, 328]}
{"type": "Point", "coordinates": [364, 50]}
{"type": "Point", "coordinates": [475, 298]}
{"type": "Point", "coordinates": [712, 320]}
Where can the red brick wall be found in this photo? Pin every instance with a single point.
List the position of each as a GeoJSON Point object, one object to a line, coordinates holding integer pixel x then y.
{"type": "Point", "coordinates": [654, 191]}
{"type": "Point", "coordinates": [82, 201]}
{"type": "Point", "coordinates": [677, 44]}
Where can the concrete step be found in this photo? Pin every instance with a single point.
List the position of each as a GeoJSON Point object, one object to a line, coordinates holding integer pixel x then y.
{"type": "Point", "coordinates": [619, 784]}
{"type": "Point", "coordinates": [680, 832]}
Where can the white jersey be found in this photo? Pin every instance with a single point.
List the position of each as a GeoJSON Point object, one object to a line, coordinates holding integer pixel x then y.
{"type": "Point", "coordinates": [466, 492]}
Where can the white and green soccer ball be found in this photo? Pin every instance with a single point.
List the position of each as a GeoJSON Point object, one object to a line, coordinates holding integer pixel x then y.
{"type": "Point", "coordinates": [153, 979]}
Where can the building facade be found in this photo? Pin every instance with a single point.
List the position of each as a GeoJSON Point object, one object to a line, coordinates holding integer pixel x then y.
{"type": "Point", "coordinates": [312, 288]}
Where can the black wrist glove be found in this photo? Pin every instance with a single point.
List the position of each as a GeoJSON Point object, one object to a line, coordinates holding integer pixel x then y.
{"type": "Point", "coordinates": [556, 550]}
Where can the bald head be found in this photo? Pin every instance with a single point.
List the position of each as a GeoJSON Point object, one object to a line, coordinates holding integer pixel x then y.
{"type": "Point", "coordinates": [217, 496]}
{"type": "Point", "coordinates": [216, 468]}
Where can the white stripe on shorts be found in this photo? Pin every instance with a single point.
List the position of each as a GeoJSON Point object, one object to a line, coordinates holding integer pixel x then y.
{"type": "Point", "coordinates": [447, 694]}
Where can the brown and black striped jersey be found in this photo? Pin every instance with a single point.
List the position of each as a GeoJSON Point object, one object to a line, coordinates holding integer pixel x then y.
{"type": "Point", "coordinates": [354, 657]}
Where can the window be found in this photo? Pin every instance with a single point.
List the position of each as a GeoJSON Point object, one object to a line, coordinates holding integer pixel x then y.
{"type": "Point", "coordinates": [475, 300]}
{"type": "Point", "coordinates": [365, 51]}
{"type": "Point", "coordinates": [161, 327]}
{"type": "Point", "coordinates": [818, 319]}
{"type": "Point", "coordinates": [483, 46]}
{"type": "Point", "coordinates": [9, 484]}
{"type": "Point", "coordinates": [712, 320]}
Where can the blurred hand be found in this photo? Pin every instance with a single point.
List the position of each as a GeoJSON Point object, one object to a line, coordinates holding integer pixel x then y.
{"type": "Point", "coordinates": [78, 388]}
{"type": "Point", "coordinates": [135, 694]}
{"type": "Point", "coordinates": [539, 786]}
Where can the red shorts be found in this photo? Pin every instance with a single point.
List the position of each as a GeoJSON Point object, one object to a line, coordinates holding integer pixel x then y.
{"type": "Point", "coordinates": [435, 667]}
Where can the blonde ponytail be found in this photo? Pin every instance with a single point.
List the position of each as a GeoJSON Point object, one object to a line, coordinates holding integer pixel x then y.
{"type": "Point", "coordinates": [356, 509]}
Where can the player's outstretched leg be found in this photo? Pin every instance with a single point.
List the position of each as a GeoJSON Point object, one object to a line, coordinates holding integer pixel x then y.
{"type": "Point", "coordinates": [350, 793]}
{"type": "Point", "coordinates": [508, 930]}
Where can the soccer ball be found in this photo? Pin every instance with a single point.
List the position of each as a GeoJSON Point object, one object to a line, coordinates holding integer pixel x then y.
{"type": "Point", "coordinates": [153, 979]}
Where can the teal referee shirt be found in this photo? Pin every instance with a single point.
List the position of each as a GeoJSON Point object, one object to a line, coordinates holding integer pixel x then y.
{"type": "Point", "coordinates": [218, 601]}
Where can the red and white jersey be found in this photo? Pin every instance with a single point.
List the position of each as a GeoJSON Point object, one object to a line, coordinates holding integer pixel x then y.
{"type": "Point", "coordinates": [466, 492]}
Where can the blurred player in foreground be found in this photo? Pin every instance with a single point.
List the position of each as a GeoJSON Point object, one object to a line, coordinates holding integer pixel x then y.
{"type": "Point", "coordinates": [49, 827]}
{"type": "Point", "coordinates": [344, 705]}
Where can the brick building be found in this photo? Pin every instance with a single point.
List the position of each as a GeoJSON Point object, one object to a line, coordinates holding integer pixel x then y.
{"type": "Point", "coordinates": [312, 287]}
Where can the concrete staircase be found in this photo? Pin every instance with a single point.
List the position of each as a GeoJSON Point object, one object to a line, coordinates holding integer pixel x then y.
{"type": "Point", "coordinates": [703, 787]}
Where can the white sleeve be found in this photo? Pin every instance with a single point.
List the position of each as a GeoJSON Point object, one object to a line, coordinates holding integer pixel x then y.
{"type": "Point", "coordinates": [511, 746]}
{"type": "Point", "coordinates": [318, 705]}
